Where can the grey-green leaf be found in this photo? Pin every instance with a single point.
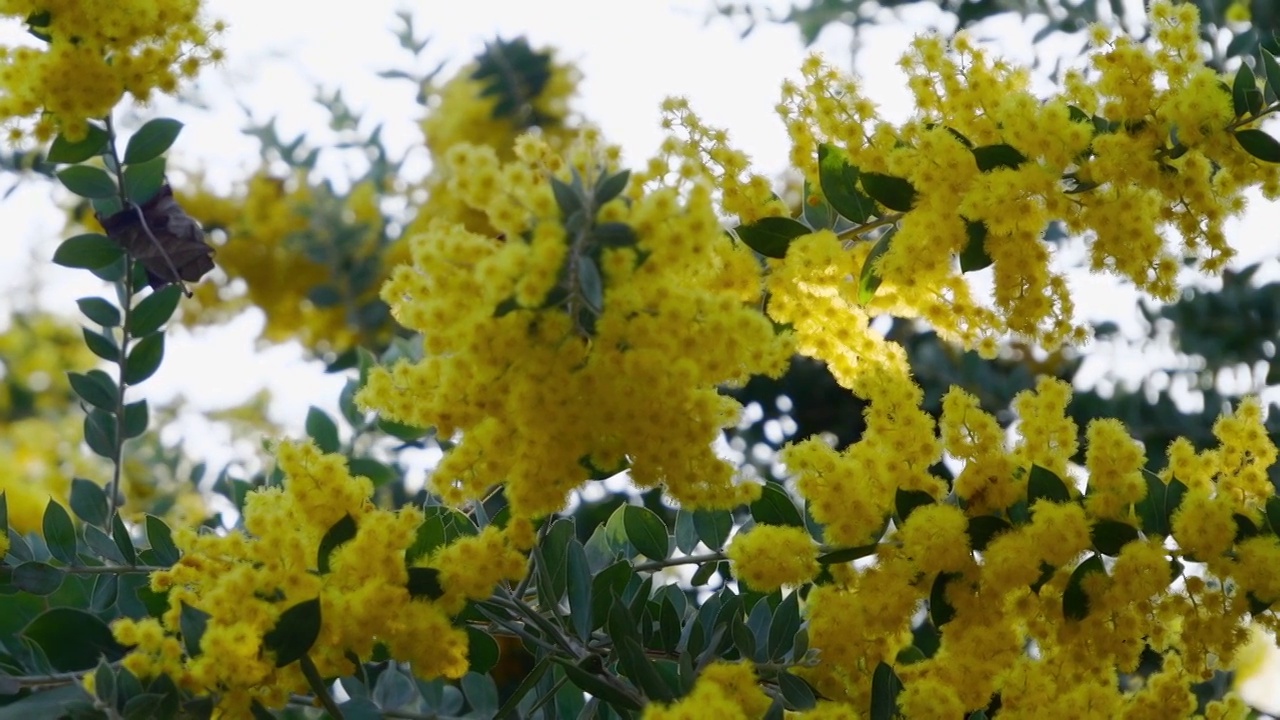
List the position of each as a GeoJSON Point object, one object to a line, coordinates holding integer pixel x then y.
{"type": "Point", "coordinates": [151, 140]}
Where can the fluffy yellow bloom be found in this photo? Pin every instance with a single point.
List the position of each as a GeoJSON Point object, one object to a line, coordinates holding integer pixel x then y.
{"type": "Point", "coordinates": [770, 556]}
{"type": "Point", "coordinates": [723, 690]}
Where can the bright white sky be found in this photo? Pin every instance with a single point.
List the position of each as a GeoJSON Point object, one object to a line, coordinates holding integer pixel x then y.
{"type": "Point", "coordinates": [633, 53]}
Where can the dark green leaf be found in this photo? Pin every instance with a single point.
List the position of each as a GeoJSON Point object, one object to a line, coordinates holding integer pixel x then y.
{"type": "Point", "coordinates": [37, 578]}
{"type": "Point", "coordinates": [591, 284]}
{"type": "Point", "coordinates": [295, 632]}
{"type": "Point", "coordinates": [640, 669]}
{"type": "Point", "coordinates": [73, 639]}
{"type": "Point", "coordinates": [1271, 70]}
{"type": "Point", "coordinates": [95, 388]}
{"type": "Point", "coordinates": [324, 296]}
{"type": "Point", "coordinates": [892, 192]}
{"type": "Point", "coordinates": [1244, 82]}
{"type": "Point", "coordinates": [1075, 601]}
{"type": "Point", "coordinates": [579, 588]}
{"type": "Point", "coordinates": [135, 419]}
{"type": "Point", "coordinates": [1259, 144]}
{"type": "Point", "coordinates": [104, 683]}
{"type": "Point", "coordinates": [1273, 514]}
{"type": "Point", "coordinates": [606, 585]}
{"type": "Point", "coordinates": [771, 236]}
{"type": "Point", "coordinates": [379, 473]}
{"type": "Point", "coordinates": [611, 187]}
{"type": "Point", "coordinates": [482, 652]}
{"type": "Point", "coordinates": [645, 531]}
{"type": "Point", "coordinates": [614, 234]}
{"type": "Point", "coordinates": [713, 527]}
{"type": "Point", "coordinates": [89, 502]}
{"type": "Point", "coordinates": [906, 501]}
{"type": "Point", "coordinates": [974, 257]}
{"type": "Point", "coordinates": [144, 359]}
{"type": "Point", "coordinates": [844, 555]}
{"type": "Point", "coordinates": [103, 546]}
{"type": "Point", "coordinates": [686, 534]}
{"type": "Point", "coordinates": [1044, 483]}
{"type": "Point", "coordinates": [984, 528]}
{"type": "Point", "coordinates": [87, 251]}
{"type": "Point", "coordinates": [941, 611]}
{"type": "Point", "coordinates": [63, 151]}
{"type": "Point", "coordinates": [106, 592]}
{"type": "Point", "coordinates": [161, 540]}
{"type": "Point", "coordinates": [144, 180]}
{"type": "Point", "coordinates": [869, 278]}
{"type": "Point", "coordinates": [775, 507]}
{"type": "Point", "coordinates": [104, 346]}
{"type": "Point", "coordinates": [425, 582]}
{"type": "Point", "coordinates": [567, 198]}
{"type": "Point", "coordinates": [100, 432]}
{"type": "Point", "coordinates": [99, 311]}
{"type": "Point", "coordinates": [1109, 536]}
{"type": "Point", "coordinates": [323, 430]}
{"type": "Point", "coordinates": [154, 310]}
{"type": "Point", "coordinates": [796, 693]}
{"type": "Point", "coordinates": [147, 706]}
{"type": "Point", "coordinates": [87, 181]}
{"type": "Point", "coordinates": [337, 534]}
{"type": "Point", "coordinates": [704, 573]}
{"type": "Point", "coordinates": [839, 180]}
{"type": "Point", "coordinates": [783, 627]}
{"type": "Point", "coordinates": [596, 686]}
{"type": "Point", "coordinates": [120, 535]}
{"type": "Point", "coordinates": [885, 688]}
{"type": "Point", "coordinates": [151, 140]}
{"type": "Point", "coordinates": [59, 533]}
{"type": "Point", "coordinates": [992, 157]}
{"type": "Point", "coordinates": [192, 622]}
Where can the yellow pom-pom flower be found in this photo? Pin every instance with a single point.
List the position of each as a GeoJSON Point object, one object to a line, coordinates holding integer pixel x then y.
{"type": "Point", "coordinates": [770, 556]}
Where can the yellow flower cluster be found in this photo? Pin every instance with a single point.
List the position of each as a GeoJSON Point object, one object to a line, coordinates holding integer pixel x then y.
{"type": "Point", "coordinates": [1028, 584]}
{"type": "Point", "coordinates": [93, 54]}
{"type": "Point", "coordinates": [244, 581]}
{"type": "Point", "coordinates": [557, 355]}
{"type": "Point", "coordinates": [770, 556]}
{"type": "Point", "coordinates": [723, 690]}
{"type": "Point", "coordinates": [281, 240]}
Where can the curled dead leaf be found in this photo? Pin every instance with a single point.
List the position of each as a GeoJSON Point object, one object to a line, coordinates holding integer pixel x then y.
{"type": "Point", "coordinates": [163, 237]}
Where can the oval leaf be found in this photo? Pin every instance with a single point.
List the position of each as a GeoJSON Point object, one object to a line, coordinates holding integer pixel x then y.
{"type": "Point", "coordinates": [838, 178]}
{"type": "Point", "coordinates": [144, 180]}
{"type": "Point", "coordinates": [1044, 483]}
{"type": "Point", "coordinates": [295, 632]}
{"type": "Point", "coordinates": [87, 181]}
{"type": "Point", "coordinates": [89, 251]}
{"type": "Point", "coordinates": [99, 310]}
{"type": "Point", "coordinates": [892, 192]}
{"type": "Point", "coordinates": [161, 539]}
{"type": "Point", "coordinates": [94, 388]}
{"type": "Point", "coordinates": [89, 501]}
{"type": "Point", "coordinates": [73, 639]}
{"type": "Point", "coordinates": [62, 151]}
{"type": "Point", "coordinates": [322, 429]}
{"type": "Point", "coordinates": [144, 359]}
{"type": "Point", "coordinates": [974, 256]}
{"type": "Point", "coordinates": [37, 578]}
{"type": "Point", "coordinates": [1110, 536]}
{"type": "Point", "coordinates": [151, 140]}
{"type": "Point", "coordinates": [339, 533]}
{"type": "Point", "coordinates": [771, 236]}
{"type": "Point", "coordinates": [992, 157]}
{"type": "Point", "coordinates": [59, 533]}
{"type": "Point", "coordinates": [869, 279]}
{"type": "Point", "coordinates": [775, 507]}
{"type": "Point", "coordinates": [154, 310]}
{"type": "Point", "coordinates": [1259, 144]}
{"type": "Point", "coordinates": [1075, 601]}
{"type": "Point", "coordinates": [646, 531]}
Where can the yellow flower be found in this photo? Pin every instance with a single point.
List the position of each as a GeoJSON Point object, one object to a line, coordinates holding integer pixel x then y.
{"type": "Point", "coordinates": [770, 556]}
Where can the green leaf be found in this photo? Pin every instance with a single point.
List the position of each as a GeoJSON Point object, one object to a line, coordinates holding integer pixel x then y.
{"type": "Point", "coordinates": [596, 686]}
{"type": "Point", "coordinates": [73, 639]}
{"type": "Point", "coordinates": [605, 585]}
{"type": "Point", "coordinates": [906, 501]}
{"type": "Point", "coordinates": [425, 582]}
{"type": "Point", "coordinates": [99, 311]}
{"type": "Point", "coordinates": [775, 507]}
{"type": "Point", "coordinates": [192, 622]}
{"type": "Point", "coordinates": [1044, 483]}
{"type": "Point", "coordinates": [614, 234]}
{"type": "Point", "coordinates": [89, 501]}
{"type": "Point", "coordinates": [379, 473]}
{"type": "Point", "coordinates": [784, 626]}
{"type": "Point", "coordinates": [102, 546]}
{"type": "Point", "coordinates": [974, 257]}
{"type": "Point", "coordinates": [95, 387]}
{"type": "Point", "coordinates": [1075, 601]}
{"type": "Point", "coordinates": [64, 151]}
{"type": "Point", "coordinates": [161, 540]}
{"type": "Point", "coordinates": [941, 611]}
{"type": "Point", "coordinates": [1160, 503]}
{"type": "Point", "coordinates": [1109, 536]}
{"type": "Point", "coordinates": [713, 527]}
{"type": "Point", "coordinates": [839, 181]}
{"type": "Point", "coordinates": [646, 531]}
{"type": "Point", "coordinates": [337, 534]}
{"type": "Point", "coordinates": [323, 430]}
{"type": "Point", "coordinates": [815, 211]}
{"type": "Point", "coordinates": [104, 683]}
{"type": "Point", "coordinates": [1273, 514]}
{"type": "Point", "coordinates": [154, 310]}
{"type": "Point", "coordinates": [151, 140]}
{"type": "Point", "coordinates": [984, 528]}
{"type": "Point", "coordinates": [482, 650]}
{"type": "Point", "coordinates": [100, 432]}
{"type": "Point", "coordinates": [844, 555]}
{"type": "Point", "coordinates": [104, 346]}
{"type": "Point", "coordinates": [892, 192]}
{"type": "Point", "coordinates": [37, 578]}
{"type": "Point", "coordinates": [796, 693]}
{"type": "Point", "coordinates": [591, 284]}
{"type": "Point", "coordinates": [295, 632]}
{"type": "Point", "coordinates": [135, 419]}
{"type": "Point", "coordinates": [144, 359]}
{"type": "Point", "coordinates": [120, 534]}
{"type": "Point", "coordinates": [59, 533]}
{"type": "Point", "coordinates": [1271, 70]}
{"type": "Point", "coordinates": [1259, 144]}
{"type": "Point", "coordinates": [567, 198]}
{"type": "Point", "coordinates": [87, 181]}
{"type": "Point", "coordinates": [869, 278]}
{"type": "Point", "coordinates": [771, 236]}
{"type": "Point", "coordinates": [143, 180]}
{"type": "Point", "coordinates": [1244, 82]}
{"type": "Point", "coordinates": [88, 251]}
{"type": "Point", "coordinates": [885, 688]}
{"type": "Point", "coordinates": [992, 157]}
{"type": "Point", "coordinates": [611, 187]}
{"type": "Point", "coordinates": [685, 532]}
{"type": "Point", "coordinates": [578, 587]}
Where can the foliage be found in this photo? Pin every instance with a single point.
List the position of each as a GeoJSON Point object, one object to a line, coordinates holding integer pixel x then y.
{"type": "Point", "coordinates": [572, 336]}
